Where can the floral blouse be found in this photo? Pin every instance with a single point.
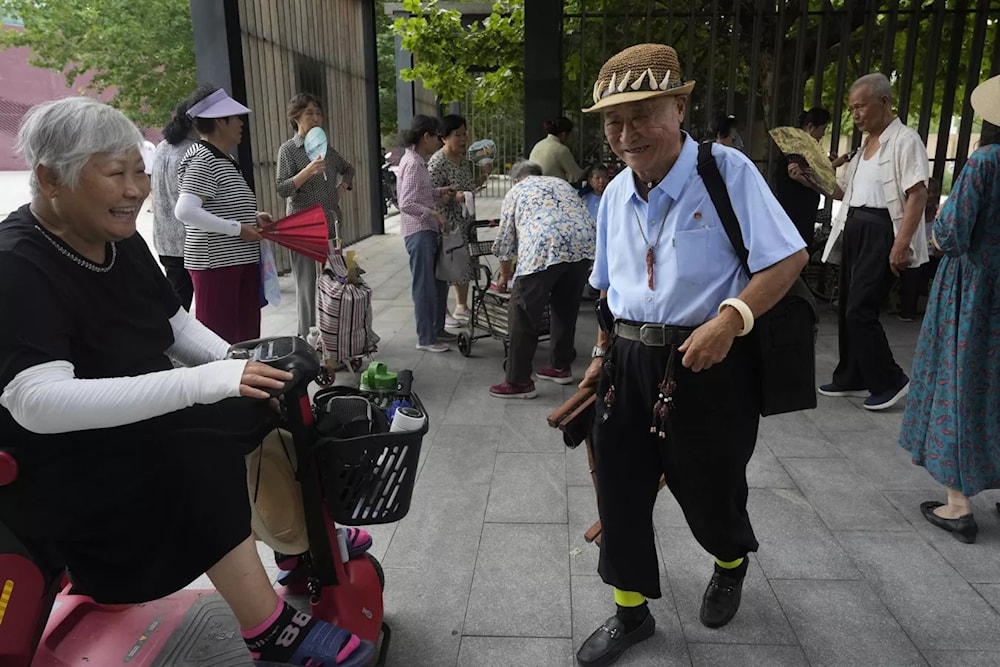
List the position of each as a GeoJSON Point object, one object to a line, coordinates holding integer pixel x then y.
{"type": "Point", "coordinates": [446, 173]}
{"type": "Point", "coordinates": [544, 222]}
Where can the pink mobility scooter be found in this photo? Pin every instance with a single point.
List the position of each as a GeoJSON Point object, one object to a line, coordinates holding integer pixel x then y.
{"type": "Point", "coordinates": [360, 480]}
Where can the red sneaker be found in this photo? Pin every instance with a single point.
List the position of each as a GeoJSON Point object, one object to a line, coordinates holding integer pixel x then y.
{"type": "Point", "coordinates": [554, 375]}
{"type": "Point", "coordinates": [508, 390]}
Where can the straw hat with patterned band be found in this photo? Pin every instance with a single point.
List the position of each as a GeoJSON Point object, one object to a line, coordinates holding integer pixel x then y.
{"type": "Point", "coordinates": [639, 72]}
{"type": "Point", "coordinates": [986, 100]}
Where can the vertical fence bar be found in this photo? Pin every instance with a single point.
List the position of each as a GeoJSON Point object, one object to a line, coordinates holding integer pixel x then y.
{"type": "Point", "coordinates": [821, 61]}
{"type": "Point", "coordinates": [889, 38]}
{"type": "Point", "coordinates": [868, 27]}
{"type": "Point", "coordinates": [733, 51]}
{"type": "Point", "coordinates": [798, 77]}
{"type": "Point", "coordinates": [710, 94]}
{"type": "Point", "coordinates": [950, 86]}
{"type": "Point", "coordinates": [930, 70]}
{"type": "Point", "coordinates": [909, 59]}
{"type": "Point", "coordinates": [974, 67]}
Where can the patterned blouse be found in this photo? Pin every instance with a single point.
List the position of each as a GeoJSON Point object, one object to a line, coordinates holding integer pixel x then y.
{"type": "Point", "coordinates": [543, 222]}
{"type": "Point", "coordinates": [292, 158]}
{"type": "Point", "coordinates": [446, 173]}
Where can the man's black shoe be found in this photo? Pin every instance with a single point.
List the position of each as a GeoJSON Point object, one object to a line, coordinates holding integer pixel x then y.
{"type": "Point", "coordinates": [609, 641]}
{"type": "Point", "coordinates": [722, 597]}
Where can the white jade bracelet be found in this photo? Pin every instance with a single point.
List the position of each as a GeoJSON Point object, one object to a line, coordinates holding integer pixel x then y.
{"type": "Point", "coordinates": [743, 310]}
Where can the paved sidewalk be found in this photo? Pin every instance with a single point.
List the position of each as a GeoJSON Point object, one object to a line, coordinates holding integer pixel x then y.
{"type": "Point", "coordinates": [490, 567]}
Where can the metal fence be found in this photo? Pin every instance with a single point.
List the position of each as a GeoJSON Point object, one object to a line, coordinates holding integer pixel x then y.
{"type": "Point", "coordinates": [766, 61]}
{"type": "Point", "coordinates": [505, 126]}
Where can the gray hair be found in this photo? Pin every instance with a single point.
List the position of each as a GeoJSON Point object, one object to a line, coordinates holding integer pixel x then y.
{"type": "Point", "coordinates": [878, 84]}
{"type": "Point", "coordinates": [63, 135]}
{"type": "Point", "coordinates": [523, 169]}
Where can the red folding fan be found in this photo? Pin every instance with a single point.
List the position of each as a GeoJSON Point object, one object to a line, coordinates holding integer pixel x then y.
{"type": "Point", "coordinates": [304, 232]}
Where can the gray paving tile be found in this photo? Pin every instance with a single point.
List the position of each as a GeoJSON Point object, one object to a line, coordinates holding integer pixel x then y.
{"type": "Point", "coordinates": [442, 530]}
{"type": "Point", "coordinates": [746, 655]}
{"type": "Point", "coordinates": [837, 415]}
{"type": "Point", "coordinates": [765, 471]}
{"type": "Point", "coordinates": [528, 488]}
{"type": "Point", "coordinates": [593, 603]}
{"type": "Point", "coordinates": [878, 456]}
{"type": "Point", "coordinates": [506, 651]}
{"type": "Point", "coordinates": [990, 593]}
{"type": "Point", "coordinates": [474, 405]}
{"type": "Point", "coordinates": [461, 454]}
{"type": "Point", "coordinates": [842, 497]}
{"type": "Point", "coordinates": [582, 515]}
{"type": "Point", "coordinates": [794, 542]}
{"type": "Point", "coordinates": [425, 608]}
{"type": "Point", "coordinates": [831, 635]}
{"type": "Point", "coordinates": [977, 563]}
{"type": "Point", "coordinates": [962, 658]}
{"type": "Point", "coordinates": [936, 607]}
{"type": "Point", "coordinates": [795, 435]}
{"type": "Point", "coordinates": [525, 428]}
{"type": "Point", "coordinates": [760, 619]}
{"type": "Point", "coordinates": [521, 583]}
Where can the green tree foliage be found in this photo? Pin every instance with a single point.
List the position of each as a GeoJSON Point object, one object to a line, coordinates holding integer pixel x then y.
{"type": "Point", "coordinates": [142, 50]}
{"type": "Point", "coordinates": [386, 49]}
{"type": "Point", "coordinates": [482, 59]}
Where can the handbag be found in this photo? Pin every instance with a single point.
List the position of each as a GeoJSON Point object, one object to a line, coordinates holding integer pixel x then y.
{"type": "Point", "coordinates": [785, 336]}
{"type": "Point", "coordinates": [453, 257]}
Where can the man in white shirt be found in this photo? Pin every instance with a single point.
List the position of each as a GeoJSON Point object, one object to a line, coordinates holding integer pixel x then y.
{"type": "Point", "coordinates": [885, 189]}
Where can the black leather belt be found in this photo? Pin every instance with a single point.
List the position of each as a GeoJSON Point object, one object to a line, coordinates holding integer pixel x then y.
{"type": "Point", "coordinates": [868, 213]}
{"type": "Point", "coordinates": [652, 335]}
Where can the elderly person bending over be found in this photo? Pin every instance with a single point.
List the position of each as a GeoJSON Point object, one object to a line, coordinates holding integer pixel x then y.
{"type": "Point", "coordinates": [545, 224]}
{"type": "Point", "coordinates": [131, 471]}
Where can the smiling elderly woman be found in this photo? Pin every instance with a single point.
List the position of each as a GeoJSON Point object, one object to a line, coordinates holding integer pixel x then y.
{"type": "Point", "coordinates": [131, 471]}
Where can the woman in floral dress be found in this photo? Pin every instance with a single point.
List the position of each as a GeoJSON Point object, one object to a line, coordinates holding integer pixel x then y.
{"type": "Point", "coordinates": [952, 422]}
{"type": "Point", "coordinates": [450, 168]}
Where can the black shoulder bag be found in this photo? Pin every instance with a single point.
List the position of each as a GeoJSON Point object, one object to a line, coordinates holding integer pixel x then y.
{"type": "Point", "coordinates": [786, 334]}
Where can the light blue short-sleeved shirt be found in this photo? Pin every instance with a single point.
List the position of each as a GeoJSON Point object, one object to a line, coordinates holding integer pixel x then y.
{"type": "Point", "coordinates": [696, 267]}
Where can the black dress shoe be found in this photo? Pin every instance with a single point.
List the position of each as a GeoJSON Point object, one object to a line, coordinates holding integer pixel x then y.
{"type": "Point", "coordinates": [963, 529]}
{"type": "Point", "coordinates": [722, 597]}
{"type": "Point", "coordinates": [608, 642]}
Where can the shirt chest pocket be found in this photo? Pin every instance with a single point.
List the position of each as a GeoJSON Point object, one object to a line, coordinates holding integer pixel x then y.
{"type": "Point", "coordinates": [701, 254]}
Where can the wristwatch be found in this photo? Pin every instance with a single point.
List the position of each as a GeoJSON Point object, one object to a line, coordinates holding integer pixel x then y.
{"type": "Point", "coordinates": [598, 351]}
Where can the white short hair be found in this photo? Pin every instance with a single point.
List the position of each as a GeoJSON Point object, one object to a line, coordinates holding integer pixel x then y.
{"type": "Point", "coordinates": [878, 84]}
{"type": "Point", "coordinates": [523, 169]}
{"type": "Point", "coordinates": [64, 134]}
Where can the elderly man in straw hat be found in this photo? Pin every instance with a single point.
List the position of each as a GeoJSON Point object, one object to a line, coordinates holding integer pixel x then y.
{"type": "Point", "coordinates": [678, 392]}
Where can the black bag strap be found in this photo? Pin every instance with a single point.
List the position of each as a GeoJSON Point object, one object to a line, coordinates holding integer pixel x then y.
{"type": "Point", "coordinates": [708, 169]}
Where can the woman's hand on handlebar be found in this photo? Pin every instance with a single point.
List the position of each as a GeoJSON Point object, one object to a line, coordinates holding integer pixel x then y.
{"type": "Point", "coordinates": [257, 377]}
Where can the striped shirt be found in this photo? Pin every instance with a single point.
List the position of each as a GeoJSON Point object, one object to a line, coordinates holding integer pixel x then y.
{"type": "Point", "coordinates": [292, 158]}
{"type": "Point", "coordinates": [207, 172]}
{"type": "Point", "coordinates": [415, 194]}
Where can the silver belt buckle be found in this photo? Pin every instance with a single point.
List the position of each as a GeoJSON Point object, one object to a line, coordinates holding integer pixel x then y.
{"type": "Point", "coordinates": [652, 335]}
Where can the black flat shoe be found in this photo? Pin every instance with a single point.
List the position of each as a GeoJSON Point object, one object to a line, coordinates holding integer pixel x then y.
{"type": "Point", "coordinates": [963, 529]}
{"type": "Point", "coordinates": [607, 643]}
{"type": "Point", "coordinates": [722, 597]}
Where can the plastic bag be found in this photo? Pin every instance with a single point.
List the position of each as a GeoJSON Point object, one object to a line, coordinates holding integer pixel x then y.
{"type": "Point", "coordinates": [269, 275]}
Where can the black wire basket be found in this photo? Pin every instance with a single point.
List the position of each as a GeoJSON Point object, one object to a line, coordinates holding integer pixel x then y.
{"type": "Point", "coordinates": [369, 479]}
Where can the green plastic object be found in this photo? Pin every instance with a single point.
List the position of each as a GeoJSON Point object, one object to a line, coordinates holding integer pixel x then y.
{"type": "Point", "coordinates": [378, 377]}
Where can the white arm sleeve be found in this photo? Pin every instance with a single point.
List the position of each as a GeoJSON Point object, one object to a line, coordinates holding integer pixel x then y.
{"type": "Point", "coordinates": [191, 211]}
{"type": "Point", "coordinates": [194, 343]}
{"type": "Point", "coordinates": [48, 398]}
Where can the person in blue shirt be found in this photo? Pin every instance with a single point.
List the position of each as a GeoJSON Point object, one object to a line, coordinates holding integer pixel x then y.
{"type": "Point", "coordinates": [677, 383]}
{"type": "Point", "coordinates": [597, 181]}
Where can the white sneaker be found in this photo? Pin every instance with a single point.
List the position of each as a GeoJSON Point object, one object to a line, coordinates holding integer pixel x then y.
{"type": "Point", "coordinates": [462, 314]}
{"type": "Point", "coordinates": [451, 323]}
{"type": "Point", "coordinates": [435, 347]}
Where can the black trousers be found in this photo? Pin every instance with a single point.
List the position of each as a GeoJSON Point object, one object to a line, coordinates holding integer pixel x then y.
{"type": "Point", "coordinates": [866, 361]}
{"type": "Point", "coordinates": [912, 283]}
{"type": "Point", "coordinates": [179, 279]}
{"type": "Point", "coordinates": [710, 437]}
{"type": "Point", "coordinates": [561, 287]}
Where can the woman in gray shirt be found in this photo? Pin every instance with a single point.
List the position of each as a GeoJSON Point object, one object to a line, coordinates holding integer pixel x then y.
{"type": "Point", "coordinates": [300, 181]}
{"type": "Point", "coordinates": [168, 231]}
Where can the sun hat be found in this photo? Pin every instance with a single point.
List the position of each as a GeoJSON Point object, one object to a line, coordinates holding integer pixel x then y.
{"type": "Point", "coordinates": [217, 105]}
{"type": "Point", "coordinates": [986, 100]}
{"type": "Point", "coordinates": [637, 73]}
{"type": "Point", "coordinates": [276, 513]}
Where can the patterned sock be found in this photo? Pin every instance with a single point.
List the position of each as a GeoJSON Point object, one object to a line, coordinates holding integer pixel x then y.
{"type": "Point", "coordinates": [289, 635]}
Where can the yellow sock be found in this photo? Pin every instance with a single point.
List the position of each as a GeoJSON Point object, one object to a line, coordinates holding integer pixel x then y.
{"type": "Point", "coordinates": [731, 565]}
{"type": "Point", "coordinates": [628, 598]}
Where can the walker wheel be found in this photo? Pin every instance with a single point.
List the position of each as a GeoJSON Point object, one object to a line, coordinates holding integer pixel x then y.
{"type": "Point", "coordinates": [379, 572]}
{"type": "Point", "coordinates": [464, 344]}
